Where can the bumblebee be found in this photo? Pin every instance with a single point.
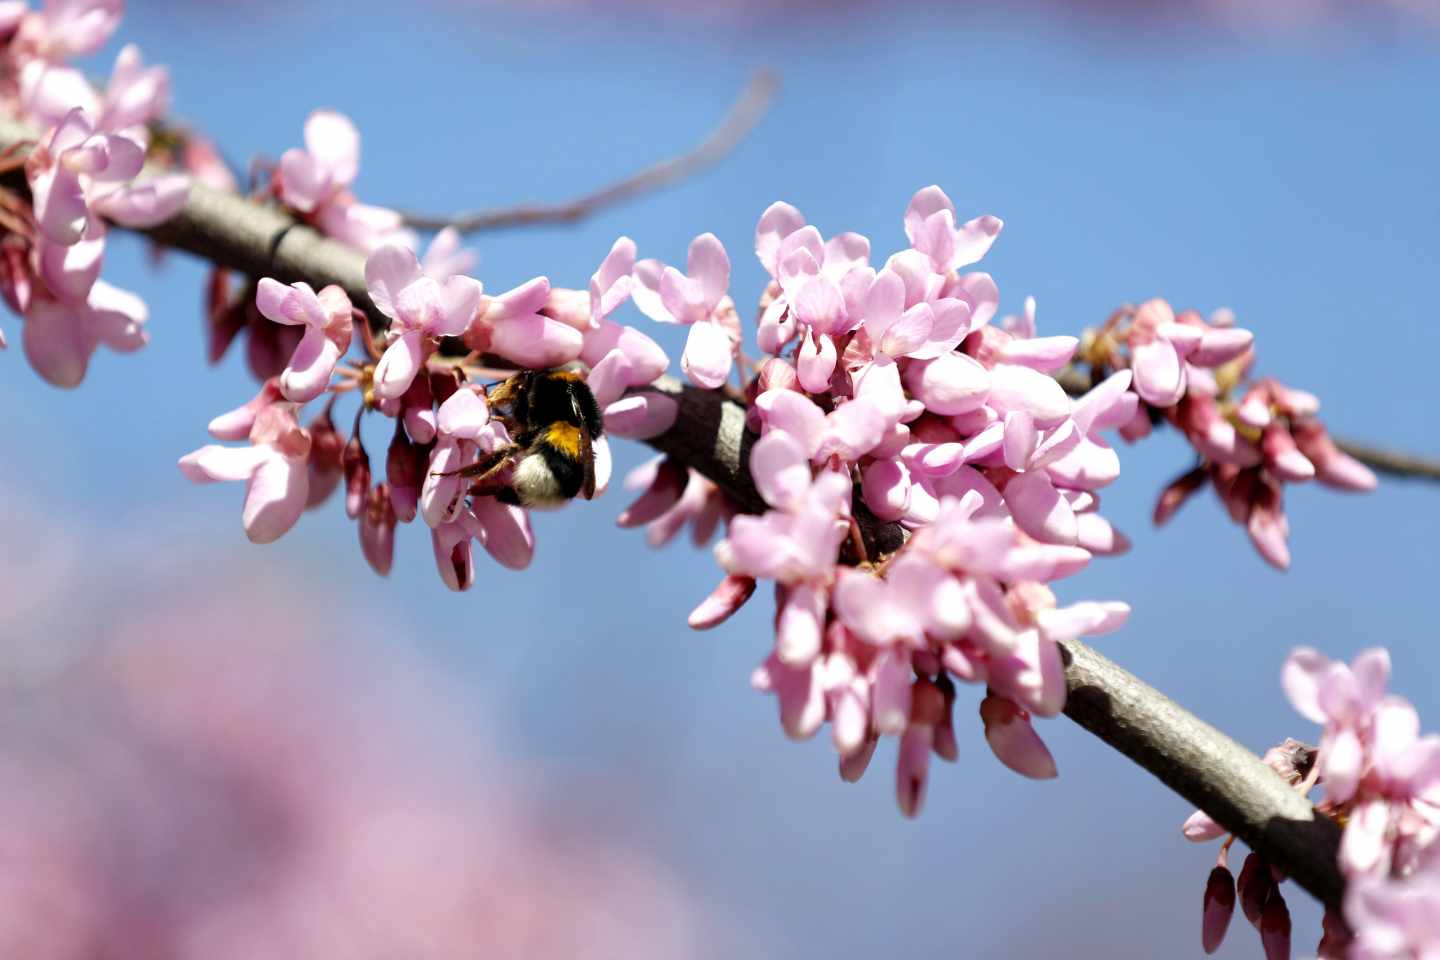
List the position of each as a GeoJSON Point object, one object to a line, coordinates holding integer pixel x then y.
{"type": "Point", "coordinates": [555, 420]}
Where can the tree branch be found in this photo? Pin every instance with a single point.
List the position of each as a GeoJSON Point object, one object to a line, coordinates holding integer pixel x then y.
{"type": "Point", "coordinates": [1191, 757]}
{"type": "Point", "coordinates": [743, 115]}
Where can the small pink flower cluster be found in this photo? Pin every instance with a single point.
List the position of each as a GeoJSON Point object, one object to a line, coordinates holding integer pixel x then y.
{"type": "Point", "coordinates": [315, 183]}
{"type": "Point", "coordinates": [443, 420]}
{"type": "Point", "coordinates": [888, 398]}
{"type": "Point", "coordinates": [1382, 782]}
{"type": "Point", "coordinates": [1252, 438]}
{"type": "Point", "coordinates": [86, 168]}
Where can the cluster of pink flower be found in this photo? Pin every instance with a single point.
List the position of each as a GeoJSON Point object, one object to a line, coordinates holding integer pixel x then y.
{"type": "Point", "coordinates": [1252, 438]}
{"type": "Point", "coordinates": [443, 418]}
{"type": "Point", "coordinates": [314, 184]}
{"type": "Point", "coordinates": [891, 383]}
{"type": "Point", "coordinates": [85, 169]}
{"type": "Point", "coordinates": [1382, 782]}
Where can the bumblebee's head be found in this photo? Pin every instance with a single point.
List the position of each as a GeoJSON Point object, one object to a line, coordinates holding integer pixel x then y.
{"type": "Point", "coordinates": [559, 396]}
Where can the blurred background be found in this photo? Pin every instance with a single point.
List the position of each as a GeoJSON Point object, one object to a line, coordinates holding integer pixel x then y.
{"type": "Point", "coordinates": [211, 749]}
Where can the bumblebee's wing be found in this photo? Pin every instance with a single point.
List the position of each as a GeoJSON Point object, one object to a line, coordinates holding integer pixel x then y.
{"type": "Point", "coordinates": [587, 464]}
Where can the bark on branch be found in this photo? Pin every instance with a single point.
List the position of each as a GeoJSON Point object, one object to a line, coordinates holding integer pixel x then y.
{"type": "Point", "coordinates": [1194, 759]}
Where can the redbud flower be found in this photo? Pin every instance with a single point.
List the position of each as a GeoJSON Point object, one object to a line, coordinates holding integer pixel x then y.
{"type": "Point", "coordinates": [63, 29]}
{"type": "Point", "coordinates": [274, 468]}
{"type": "Point", "coordinates": [316, 182]}
{"type": "Point", "coordinates": [696, 299]}
{"type": "Point", "coordinates": [930, 225]}
{"type": "Point", "coordinates": [327, 318]}
{"type": "Point", "coordinates": [328, 164]}
{"type": "Point", "coordinates": [60, 338]}
{"type": "Point", "coordinates": [420, 308]}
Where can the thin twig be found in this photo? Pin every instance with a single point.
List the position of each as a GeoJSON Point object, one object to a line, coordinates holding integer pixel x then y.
{"type": "Point", "coordinates": [1393, 463]}
{"type": "Point", "coordinates": [743, 115]}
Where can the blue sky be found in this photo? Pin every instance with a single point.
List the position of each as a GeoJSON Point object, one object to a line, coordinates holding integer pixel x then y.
{"type": "Point", "coordinates": [1292, 179]}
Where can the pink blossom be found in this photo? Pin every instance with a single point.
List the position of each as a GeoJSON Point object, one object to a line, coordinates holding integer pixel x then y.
{"type": "Point", "coordinates": [316, 182]}
{"type": "Point", "coordinates": [60, 338]}
{"type": "Point", "coordinates": [63, 29]}
{"type": "Point", "coordinates": [274, 468]}
{"type": "Point", "coordinates": [930, 225]}
{"type": "Point", "coordinates": [327, 320]}
{"type": "Point", "coordinates": [696, 299]}
{"type": "Point", "coordinates": [1163, 348]}
{"type": "Point", "coordinates": [420, 309]}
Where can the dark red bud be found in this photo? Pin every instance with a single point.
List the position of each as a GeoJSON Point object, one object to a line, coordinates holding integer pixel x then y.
{"type": "Point", "coordinates": [1218, 908]}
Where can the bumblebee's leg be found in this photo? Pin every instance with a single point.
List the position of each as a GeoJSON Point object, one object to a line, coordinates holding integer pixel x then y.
{"type": "Point", "coordinates": [488, 464]}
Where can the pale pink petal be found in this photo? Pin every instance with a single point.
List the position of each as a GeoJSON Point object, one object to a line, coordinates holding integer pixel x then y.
{"type": "Point", "coordinates": [1371, 669]}
{"type": "Point", "coordinates": [1159, 374]}
{"type": "Point", "coordinates": [275, 497]}
{"type": "Point", "coordinates": [1040, 353]}
{"type": "Point", "coordinates": [722, 603]}
{"type": "Point", "coordinates": [981, 293]}
{"type": "Point", "coordinates": [1040, 510]}
{"type": "Point", "coordinates": [909, 333]}
{"type": "Point", "coordinates": [1198, 827]}
{"type": "Point", "coordinates": [389, 270]}
{"type": "Point", "coordinates": [923, 205]}
{"type": "Point", "coordinates": [453, 556]}
{"type": "Point", "coordinates": [1219, 347]}
{"type": "Point", "coordinates": [890, 692]}
{"type": "Point", "coordinates": [1363, 845]}
{"type": "Point", "coordinates": [398, 366]}
{"type": "Point", "coordinates": [853, 430]}
{"type": "Point", "coordinates": [610, 284]}
{"type": "Point", "coordinates": [647, 358]}
{"type": "Point", "coordinates": [949, 385]}
{"type": "Point", "coordinates": [445, 257]}
{"type": "Point", "coordinates": [1034, 675]}
{"type": "Point", "coordinates": [781, 469]}
{"type": "Point", "coordinates": [709, 266]}
{"type": "Point", "coordinates": [70, 271]}
{"type": "Point", "coordinates": [508, 537]}
{"type": "Point", "coordinates": [1341, 765]}
{"type": "Point", "coordinates": [777, 222]}
{"type": "Point", "coordinates": [57, 342]}
{"type": "Point", "coordinates": [335, 144]}
{"type": "Point", "coordinates": [308, 374]}
{"type": "Point", "coordinates": [1021, 388]}
{"type": "Point", "coordinates": [649, 275]}
{"type": "Point", "coordinates": [1021, 439]}
{"type": "Point", "coordinates": [536, 341]}
{"type": "Point", "coordinates": [146, 203]}
{"type": "Point", "coordinates": [885, 485]}
{"type": "Point", "coordinates": [821, 305]}
{"type": "Point", "coordinates": [641, 416]}
{"type": "Point", "coordinates": [463, 415]}
{"type": "Point", "coordinates": [59, 203]}
{"type": "Point", "coordinates": [1101, 399]}
{"type": "Point", "coordinates": [530, 297]}
{"type": "Point", "coordinates": [799, 625]}
{"type": "Point", "coordinates": [794, 413]}
{"type": "Point", "coordinates": [974, 239]}
{"type": "Point", "coordinates": [1099, 536]}
{"type": "Point", "coordinates": [1014, 741]}
{"type": "Point", "coordinates": [1085, 619]}
{"type": "Point", "coordinates": [304, 184]}
{"type": "Point", "coordinates": [1092, 464]}
{"type": "Point", "coordinates": [459, 299]}
{"type": "Point", "coordinates": [708, 355]}
{"type": "Point", "coordinates": [816, 363]}
{"type": "Point", "coordinates": [213, 463]}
